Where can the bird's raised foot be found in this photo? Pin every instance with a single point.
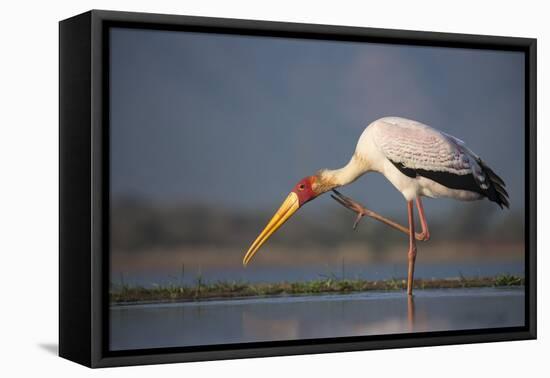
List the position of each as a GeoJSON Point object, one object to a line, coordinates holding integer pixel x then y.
{"type": "Point", "coordinates": [352, 205]}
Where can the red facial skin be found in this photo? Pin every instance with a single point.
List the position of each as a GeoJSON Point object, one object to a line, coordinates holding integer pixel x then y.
{"type": "Point", "coordinates": [304, 190]}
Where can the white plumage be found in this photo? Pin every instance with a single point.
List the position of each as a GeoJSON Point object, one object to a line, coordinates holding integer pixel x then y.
{"type": "Point", "coordinates": [422, 161]}
{"type": "Point", "coordinates": [419, 146]}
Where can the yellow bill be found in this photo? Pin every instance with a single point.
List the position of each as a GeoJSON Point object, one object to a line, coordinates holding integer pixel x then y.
{"type": "Point", "coordinates": [289, 207]}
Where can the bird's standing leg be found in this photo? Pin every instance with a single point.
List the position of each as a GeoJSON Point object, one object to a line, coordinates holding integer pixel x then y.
{"type": "Point", "coordinates": [412, 247]}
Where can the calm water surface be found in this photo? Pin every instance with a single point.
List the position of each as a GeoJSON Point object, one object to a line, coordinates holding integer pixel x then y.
{"type": "Point", "coordinates": [290, 318]}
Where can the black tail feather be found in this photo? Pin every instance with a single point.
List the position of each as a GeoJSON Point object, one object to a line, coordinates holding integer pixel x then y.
{"type": "Point", "coordinates": [500, 189]}
{"type": "Point", "coordinates": [492, 175]}
{"type": "Point", "coordinates": [496, 191]}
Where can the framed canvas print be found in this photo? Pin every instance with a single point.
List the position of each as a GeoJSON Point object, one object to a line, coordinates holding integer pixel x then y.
{"type": "Point", "coordinates": [234, 188]}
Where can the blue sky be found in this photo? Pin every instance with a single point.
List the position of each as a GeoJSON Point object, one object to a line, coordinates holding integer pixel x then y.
{"type": "Point", "coordinates": [235, 121]}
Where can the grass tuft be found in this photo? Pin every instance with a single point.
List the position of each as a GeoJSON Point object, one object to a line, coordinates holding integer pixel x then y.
{"type": "Point", "coordinates": [508, 280]}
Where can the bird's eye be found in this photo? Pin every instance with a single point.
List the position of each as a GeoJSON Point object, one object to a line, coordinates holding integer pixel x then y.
{"type": "Point", "coordinates": [301, 187]}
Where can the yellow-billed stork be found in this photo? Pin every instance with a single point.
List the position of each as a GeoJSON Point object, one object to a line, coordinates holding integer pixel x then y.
{"type": "Point", "coordinates": [417, 159]}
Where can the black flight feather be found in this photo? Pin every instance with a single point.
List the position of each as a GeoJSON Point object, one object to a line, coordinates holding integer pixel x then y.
{"type": "Point", "coordinates": [494, 192]}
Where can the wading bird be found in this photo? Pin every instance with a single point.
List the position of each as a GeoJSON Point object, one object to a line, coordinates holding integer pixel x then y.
{"type": "Point", "coordinates": [417, 159]}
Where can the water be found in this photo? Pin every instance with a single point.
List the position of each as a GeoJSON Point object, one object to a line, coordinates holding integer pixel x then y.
{"type": "Point", "coordinates": [291, 318]}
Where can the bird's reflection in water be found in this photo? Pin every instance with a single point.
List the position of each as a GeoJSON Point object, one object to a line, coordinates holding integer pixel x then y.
{"type": "Point", "coordinates": [411, 312]}
{"type": "Point", "coordinates": [270, 326]}
{"type": "Point", "coordinates": [330, 318]}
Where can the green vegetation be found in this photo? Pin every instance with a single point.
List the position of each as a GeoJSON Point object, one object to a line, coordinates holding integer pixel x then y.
{"type": "Point", "coordinates": [203, 291]}
{"type": "Point", "coordinates": [508, 280]}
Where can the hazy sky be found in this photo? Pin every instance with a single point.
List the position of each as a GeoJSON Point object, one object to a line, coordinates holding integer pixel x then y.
{"type": "Point", "coordinates": [236, 121]}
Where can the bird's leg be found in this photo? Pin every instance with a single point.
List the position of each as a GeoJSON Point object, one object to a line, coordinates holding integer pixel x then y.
{"type": "Point", "coordinates": [412, 247]}
{"type": "Point", "coordinates": [413, 236]}
{"type": "Point", "coordinates": [363, 211]}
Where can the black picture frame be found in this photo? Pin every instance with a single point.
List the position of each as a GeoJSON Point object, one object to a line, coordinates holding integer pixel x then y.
{"type": "Point", "coordinates": [84, 196]}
